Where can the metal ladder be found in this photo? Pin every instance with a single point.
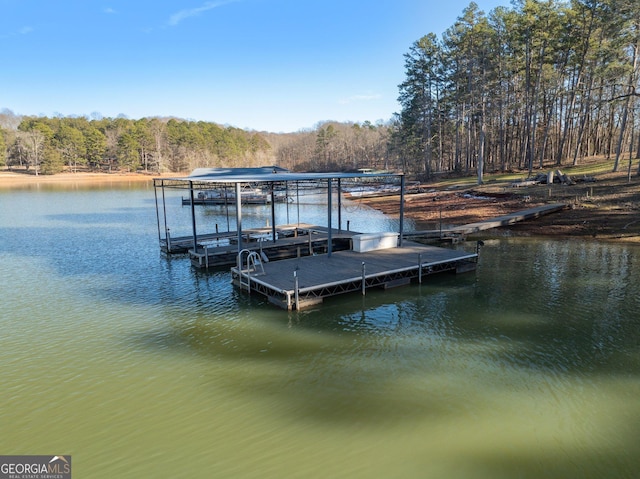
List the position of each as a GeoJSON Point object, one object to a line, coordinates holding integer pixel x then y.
{"type": "Point", "coordinates": [252, 265]}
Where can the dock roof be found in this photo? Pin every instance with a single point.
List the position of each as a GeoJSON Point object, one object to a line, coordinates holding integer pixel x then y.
{"type": "Point", "coordinates": [267, 174]}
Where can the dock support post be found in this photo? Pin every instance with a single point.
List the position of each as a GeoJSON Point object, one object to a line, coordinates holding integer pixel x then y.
{"type": "Point", "coordinates": [364, 279]}
{"type": "Point", "coordinates": [296, 289]}
{"type": "Point", "coordinates": [329, 221]}
{"type": "Point", "coordinates": [155, 193]}
{"type": "Point", "coordinates": [339, 204]}
{"type": "Point", "coordinates": [164, 206]}
{"type": "Point", "coordinates": [206, 257]}
{"type": "Point", "coordinates": [239, 216]}
{"type": "Point", "coordinates": [226, 206]}
{"type": "Point", "coordinates": [420, 268]}
{"type": "Point", "coordinates": [273, 213]}
{"type": "Point", "coordinates": [193, 218]}
{"type": "Point", "coordinates": [402, 186]}
{"type": "Point", "coordinates": [298, 203]}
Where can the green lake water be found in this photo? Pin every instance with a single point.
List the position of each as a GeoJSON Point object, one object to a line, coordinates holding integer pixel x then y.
{"type": "Point", "coordinates": [139, 366]}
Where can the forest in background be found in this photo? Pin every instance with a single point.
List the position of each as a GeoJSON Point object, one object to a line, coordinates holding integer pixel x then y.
{"type": "Point", "coordinates": [160, 145]}
{"type": "Point", "coordinates": [541, 82]}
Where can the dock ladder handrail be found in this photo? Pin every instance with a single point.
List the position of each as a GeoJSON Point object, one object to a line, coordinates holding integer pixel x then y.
{"type": "Point", "coordinates": [253, 265]}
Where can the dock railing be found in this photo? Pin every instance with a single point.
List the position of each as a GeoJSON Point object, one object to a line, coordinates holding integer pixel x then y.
{"type": "Point", "coordinates": [253, 264]}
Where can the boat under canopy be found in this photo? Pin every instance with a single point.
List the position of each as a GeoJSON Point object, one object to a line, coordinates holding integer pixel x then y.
{"type": "Point", "coordinates": [227, 196]}
{"type": "Point", "coordinates": [274, 182]}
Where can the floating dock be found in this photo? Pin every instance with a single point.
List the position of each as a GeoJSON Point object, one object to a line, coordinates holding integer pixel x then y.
{"type": "Point", "coordinates": [299, 283]}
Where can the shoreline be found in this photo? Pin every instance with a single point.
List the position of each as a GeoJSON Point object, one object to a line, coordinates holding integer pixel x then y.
{"type": "Point", "coordinates": [607, 217]}
{"type": "Point", "coordinates": [13, 179]}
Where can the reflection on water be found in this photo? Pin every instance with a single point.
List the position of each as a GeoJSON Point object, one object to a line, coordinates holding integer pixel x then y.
{"type": "Point", "coordinates": [139, 366]}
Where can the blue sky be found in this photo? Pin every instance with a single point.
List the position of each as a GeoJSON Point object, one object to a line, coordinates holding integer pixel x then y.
{"type": "Point", "coordinates": [266, 65]}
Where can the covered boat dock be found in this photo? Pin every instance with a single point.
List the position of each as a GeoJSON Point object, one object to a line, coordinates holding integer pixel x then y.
{"type": "Point", "coordinates": [274, 181]}
{"type": "Point", "coordinates": [276, 260]}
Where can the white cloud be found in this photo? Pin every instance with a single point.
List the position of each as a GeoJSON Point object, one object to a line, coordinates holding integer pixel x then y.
{"type": "Point", "coordinates": [194, 12]}
{"type": "Point", "coordinates": [25, 30]}
{"type": "Point", "coordinates": [109, 11]}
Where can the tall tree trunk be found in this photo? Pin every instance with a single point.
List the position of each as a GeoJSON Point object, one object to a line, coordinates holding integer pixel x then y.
{"type": "Point", "coordinates": [631, 91]}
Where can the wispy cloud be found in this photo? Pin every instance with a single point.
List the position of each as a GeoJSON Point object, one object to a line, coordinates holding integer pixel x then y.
{"type": "Point", "coordinates": [194, 12]}
{"type": "Point", "coordinates": [109, 11]}
{"type": "Point", "coordinates": [358, 98]}
{"type": "Point", "coordinates": [15, 33]}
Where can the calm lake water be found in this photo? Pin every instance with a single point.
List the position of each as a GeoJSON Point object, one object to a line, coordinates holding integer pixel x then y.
{"type": "Point", "coordinates": [139, 366]}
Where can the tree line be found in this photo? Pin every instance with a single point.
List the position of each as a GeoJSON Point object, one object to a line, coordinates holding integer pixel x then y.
{"type": "Point", "coordinates": [47, 145]}
{"type": "Point", "coordinates": [158, 145]}
{"type": "Point", "coordinates": [544, 81]}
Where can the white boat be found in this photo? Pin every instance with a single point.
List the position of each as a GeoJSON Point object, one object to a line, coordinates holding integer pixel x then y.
{"type": "Point", "coordinates": [249, 196]}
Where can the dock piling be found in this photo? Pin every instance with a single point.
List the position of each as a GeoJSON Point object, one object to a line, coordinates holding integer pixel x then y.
{"type": "Point", "coordinates": [296, 288]}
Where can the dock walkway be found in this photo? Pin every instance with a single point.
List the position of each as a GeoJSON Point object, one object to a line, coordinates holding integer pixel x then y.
{"type": "Point", "coordinates": [505, 220]}
{"type": "Point", "coordinates": [300, 282]}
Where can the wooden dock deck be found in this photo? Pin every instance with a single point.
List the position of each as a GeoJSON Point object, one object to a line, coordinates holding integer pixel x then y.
{"type": "Point", "coordinates": [301, 282]}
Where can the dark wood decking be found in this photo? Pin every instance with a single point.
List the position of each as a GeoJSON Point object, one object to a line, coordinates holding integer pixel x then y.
{"type": "Point", "coordinates": [300, 282]}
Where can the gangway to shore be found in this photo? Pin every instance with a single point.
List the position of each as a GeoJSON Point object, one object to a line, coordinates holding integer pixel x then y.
{"type": "Point", "coordinates": [482, 225]}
